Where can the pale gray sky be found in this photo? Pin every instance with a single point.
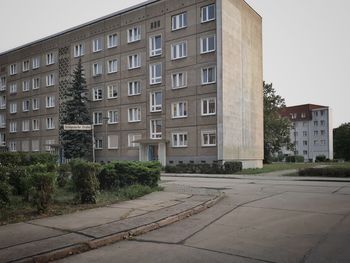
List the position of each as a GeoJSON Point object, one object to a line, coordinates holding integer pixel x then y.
{"type": "Point", "coordinates": [306, 42]}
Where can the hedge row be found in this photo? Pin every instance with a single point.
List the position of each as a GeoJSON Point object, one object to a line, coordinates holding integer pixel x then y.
{"type": "Point", "coordinates": [295, 159]}
{"type": "Point", "coordinates": [24, 159]}
{"type": "Point", "coordinates": [325, 172]}
{"type": "Point", "coordinates": [204, 168]}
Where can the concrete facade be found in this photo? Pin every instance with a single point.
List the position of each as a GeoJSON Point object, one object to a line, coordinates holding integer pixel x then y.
{"type": "Point", "coordinates": [214, 114]}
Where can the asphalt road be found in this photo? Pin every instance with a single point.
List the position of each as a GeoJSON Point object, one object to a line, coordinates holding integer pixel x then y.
{"type": "Point", "coordinates": [260, 220]}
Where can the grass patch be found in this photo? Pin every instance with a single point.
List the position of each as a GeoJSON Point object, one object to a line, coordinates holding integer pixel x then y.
{"type": "Point", "coordinates": [64, 202]}
{"type": "Point", "coordinates": [278, 167]}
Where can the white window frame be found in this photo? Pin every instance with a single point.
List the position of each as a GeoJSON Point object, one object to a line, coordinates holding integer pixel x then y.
{"type": "Point", "coordinates": [25, 65]}
{"type": "Point", "coordinates": [13, 107]}
{"type": "Point", "coordinates": [181, 140]}
{"type": "Point", "coordinates": [154, 106]}
{"type": "Point", "coordinates": [50, 80]}
{"type": "Point", "coordinates": [112, 66]}
{"type": "Point", "coordinates": [97, 45]}
{"type": "Point", "coordinates": [36, 83]}
{"type": "Point", "coordinates": [112, 92]}
{"type": "Point", "coordinates": [153, 129]}
{"type": "Point", "coordinates": [3, 102]}
{"type": "Point", "coordinates": [97, 118]}
{"type": "Point", "coordinates": [134, 88]}
{"type": "Point", "coordinates": [153, 49]}
{"type": "Point", "coordinates": [204, 43]}
{"type": "Point", "coordinates": [50, 102]}
{"type": "Point", "coordinates": [134, 61]}
{"type": "Point", "coordinates": [134, 114]}
{"type": "Point", "coordinates": [109, 139]}
{"type": "Point", "coordinates": [25, 85]}
{"type": "Point", "coordinates": [35, 146]}
{"type": "Point", "coordinates": [112, 40]}
{"type": "Point", "coordinates": [35, 104]}
{"type": "Point", "coordinates": [13, 127]}
{"type": "Point", "coordinates": [25, 105]}
{"type": "Point", "coordinates": [134, 34]}
{"type": "Point", "coordinates": [179, 109]}
{"type": "Point", "coordinates": [205, 13]}
{"type": "Point", "coordinates": [98, 144]}
{"type": "Point", "coordinates": [178, 82]}
{"type": "Point", "coordinates": [50, 123]}
{"type": "Point", "coordinates": [2, 121]}
{"type": "Point", "coordinates": [205, 78]}
{"type": "Point", "coordinates": [97, 94]}
{"type": "Point", "coordinates": [25, 125]}
{"type": "Point", "coordinates": [179, 50]}
{"type": "Point", "coordinates": [179, 21]}
{"type": "Point", "coordinates": [35, 125]}
{"type": "Point", "coordinates": [13, 146]}
{"type": "Point", "coordinates": [79, 50]}
{"type": "Point", "coordinates": [97, 69]}
{"type": "Point", "coordinates": [3, 83]}
{"type": "Point", "coordinates": [113, 116]}
{"type": "Point", "coordinates": [205, 111]}
{"type": "Point", "coordinates": [13, 69]}
{"type": "Point", "coordinates": [36, 63]}
{"type": "Point", "coordinates": [50, 59]}
{"type": "Point", "coordinates": [13, 88]}
{"type": "Point", "coordinates": [133, 137]}
{"type": "Point", "coordinates": [154, 79]}
{"type": "Point", "coordinates": [208, 133]}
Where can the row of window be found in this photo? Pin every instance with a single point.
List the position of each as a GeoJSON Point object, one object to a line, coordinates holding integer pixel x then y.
{"type": "Point", "coordinates": [316, 133]}
{"type": "Point", "coordinates": [14, 127]}
{"type": "Point", "coordinates": [316, 142]}
{"type": "Point", "coordinates": [13, 69]}
{"type": "Point", "coordinates": [35, 146]}
{"type": "Point", "coordinates": [49, 103]}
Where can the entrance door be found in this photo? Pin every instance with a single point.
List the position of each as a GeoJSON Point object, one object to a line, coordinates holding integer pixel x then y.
{"type": "Point", "coordinates": [153, 153]}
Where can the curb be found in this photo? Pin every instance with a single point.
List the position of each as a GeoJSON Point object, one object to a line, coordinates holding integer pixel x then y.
{"type": "Point", "coordinates": [108, 240]}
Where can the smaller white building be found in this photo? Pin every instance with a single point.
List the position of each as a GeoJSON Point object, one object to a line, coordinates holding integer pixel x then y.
{"type": "Point", "coordinates": [312, 130]}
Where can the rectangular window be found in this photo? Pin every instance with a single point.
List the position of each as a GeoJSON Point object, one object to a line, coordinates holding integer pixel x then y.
{"type": "Point", "coordinates": [25, 105]}
{"type": "Point", "coordinates": [36, 63]}
{"type": "Point", "coordinates": [35, 124]}
{"type": "Point", "coordinates": [132, 138]}
{"type": "Point", "coordinates": [323, 132]}
{"type": "Point", "coordinates": [179, 80]}
{"type": "Point", "coordinates": [179, 139]}
{"type": "Point", "coordinates": [50, 124]}
{"type": "Point", "coordinates": [208, 13]}
{"type": "Point", "coordinates": [78, 50]}
{"type": "Point", "coordinates": [50, 59]}
{"type": "Point", "coordinates": [13, 69]}
{"type": "Point", "coordinates": [13, 107]}
{"type": "Point", "coordinates": [2, 121]}
{"type": "Point", "coordinates": [304, 133]}
{"type": "Point", "coordinates": [2, 83]}
{"type": "Point", "coordinates": [97, 94]}
{"type": "Point", "coordinates": [48, 144]}
{"type": "Point", "coordinates": [112, 40]}
{"type": "Point", "coordinates": [305, 143]}
{"type": "Point", "coordinates": [322, 123]}
{"type": "Point", "coordinates": [25, 66]}
{"type": "Point", "coordinates": [156, 101]}
{"type": "Point", "coordinates": [35, 103]}
{"type": "Point", "coordinates": [112, 116]}
{"type": "Point", "coordinates": [134, 88]}
{"type": "Point", "coordinates": [303, 115]}
{"type": "Point", "coordinates": [134, 34]}
{"type": "Point", "coordinates": [208, 75]}
{"type": "Point", "coordinates": [209, 138]}
{"type": "Point", "coordinates": [134, 61]}
{"type": "Point", "coordinates": [305, 152]}
{"type": "Point", "coordinates": [315, 142]}
{"type": "Point", "coordinates": [134, 114]}
{"type": "Point", "coordinates": [35, 146]}
{"type": "Point", "coordinates": [3, 102]}
{"type": "Point", "coordinates": [98, 144]}
{"type": "Point", "coordinates": [2, 139]}
{"type": "Point", "coordinates": [155, 45]}
{"type": "Point", "coordinates": [155, 72]}
{"type": "Point", "coordinates": [36, 83]}
{"type": "Point", "coordinates": [50, 101]}
{"type": "Point", "coordinates": [25, 125]}
{"type": "Point", "coordinates": [179, 21]}
{"type": "Point", "coordinates": [112, 66]}
{"type": "Point", "coordinates": [156, 129]}
{"type": "Point", "coordinates": [208, 44]}
{"type": "Point", "coordinates": [112, 141]}
{"type": "Point", "coordinates": [208, 106]}
{"type": "Point", "coordinates": [315, 133]}
{"type": "Point", "coordinates": [50, 80]}
{"type": "Point", "coordinates": [96, 69]}
{"type": "Point", "coordinates": [179, 50]}
{"type": "Point", "coordinates": [323, 142]}
{"type": "Point", "coordinates": [13, 88]}
{"type": "Point", "coordinates": [97, 118]}
{"type": "Point", "coordinates": [25, 85]}
{"type": "Point", "coordinates": [13, 127]}
{"type": "Point", "coordinates": [322, 112]}
{"type": "Point", "coordinates": [97, 45]}
{"type": "Point", "coordinates": [315, 123]}
{"type": "Point", "coordinates": [13, 146]}
{"type": "Point", "coordinates": [112, 91]}
{"type": "Point", "coordinates": [179, 109]}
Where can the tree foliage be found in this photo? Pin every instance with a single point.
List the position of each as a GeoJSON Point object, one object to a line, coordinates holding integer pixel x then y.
{"type": "Point", "coordinates": [276, 127]}
{"type": "Point", "coordinates": [341, 137]}
{"type": "Point", "coordinates": [76, 144]}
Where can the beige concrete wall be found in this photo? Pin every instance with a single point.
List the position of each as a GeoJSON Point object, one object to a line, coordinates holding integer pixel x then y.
{"type": "Point", "coordinates": [240, 92]}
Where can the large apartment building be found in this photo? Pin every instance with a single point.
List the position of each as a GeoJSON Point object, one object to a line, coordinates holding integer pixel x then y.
{"type": "Point", "coordinates": [312, 131]}
{"type": "Point", "coordinates": [178, 81]}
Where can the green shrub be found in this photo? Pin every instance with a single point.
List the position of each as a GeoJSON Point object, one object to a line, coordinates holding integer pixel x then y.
{"type": "Point", "coordinates": [320, 159]}
{"type": "Point", "coordinates": [134, 191]}
{"type": "Point", "coordinates": [64, 174]}
{"type": "Point", "coordinates": [19, 180]}
{"type": "Point", "coordinates": [85, 180]}
{"type": "Point", "coordinates": [325, 172]}
{"type": "Point", "coordinates": [5, 188]}
{"type": "Point", "coordinates": [25, 159]}
{"type": "Point", "coordinates": [108, 177]}
{"type": "Point", "coordinates": [232, 167]}
{"type": "Point", "coordinates": [295, 159]}
{"type": "Point", "coordinates": [43, 189]}
{"type": "Point", "coordinates": [205, 168]}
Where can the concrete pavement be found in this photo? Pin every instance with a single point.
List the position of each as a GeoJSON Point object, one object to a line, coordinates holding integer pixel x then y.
{"type": "Point", "coordinates": [50, 238]}
{"type": "Point", "coordinates": [259, 220]}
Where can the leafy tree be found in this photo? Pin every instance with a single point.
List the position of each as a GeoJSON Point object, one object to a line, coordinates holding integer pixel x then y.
{"type": "Point", "coordinates": [276, 127]}
{"type": "Point", "coordinates": [76, 144]}
{"type": "Point", "coordinates": [341, 137]}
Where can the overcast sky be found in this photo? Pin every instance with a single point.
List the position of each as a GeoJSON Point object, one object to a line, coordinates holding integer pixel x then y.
{"type": "Point", "coordinates": [306, 42]}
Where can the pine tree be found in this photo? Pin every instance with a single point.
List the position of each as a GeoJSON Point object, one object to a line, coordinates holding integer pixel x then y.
{"type": "Point", "coordinates": [76, 144]}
